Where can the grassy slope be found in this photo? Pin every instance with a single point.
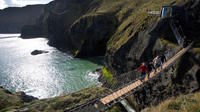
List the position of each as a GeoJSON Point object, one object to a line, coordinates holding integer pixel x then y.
{"type": "Point", "coordinates": [115, 109]}
{"type": "Point", "coordinates": [184, 103]}
{"type": "Point", "coordinates": [57, 104]}
{"type": "Point", "coordinates": [133, 18]}
{"type": "Point", "coordinates": [8, 99]}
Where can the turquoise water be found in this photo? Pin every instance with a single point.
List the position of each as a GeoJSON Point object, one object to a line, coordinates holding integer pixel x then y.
{"type": "Point", "coordinates": [45, 75]}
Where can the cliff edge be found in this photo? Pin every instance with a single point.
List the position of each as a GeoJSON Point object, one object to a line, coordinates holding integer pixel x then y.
{"type": "Point", "coordinates": [12, 19]}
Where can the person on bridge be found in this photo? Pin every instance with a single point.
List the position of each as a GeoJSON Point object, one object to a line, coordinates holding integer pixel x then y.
{"type": "Point", "coordinates": [142, 69]}
{"type": "Point", "coordinates": [183, 41]}
{"type": "Point", "coordinates": [157, 62]}
{"type": "Point", "coordinates": [163, 59]}
{"type": "Point", "coordinates": [150, 67]}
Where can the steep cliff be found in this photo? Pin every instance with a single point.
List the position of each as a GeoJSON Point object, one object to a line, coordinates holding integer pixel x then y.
{"type": "Point", "coordinates": [150, 36]}
{"type": "Point", "coordinates": [82, 27]}
{"type": "Point", "coordinates": [124, 32]}
{"type": "Point", "coordinates": [12, 19]}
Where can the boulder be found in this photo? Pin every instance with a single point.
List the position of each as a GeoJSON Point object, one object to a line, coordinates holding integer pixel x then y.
{"type": "Point", "coordinates": [24, 97]}
{"type": "Point", "coordinates": [36, 52]}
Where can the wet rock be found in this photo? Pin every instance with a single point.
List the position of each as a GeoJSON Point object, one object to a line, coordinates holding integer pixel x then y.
{"type": "Point", "coordinates": [36, 52]}
{"type": "Point", "coordinates": [24, 97]}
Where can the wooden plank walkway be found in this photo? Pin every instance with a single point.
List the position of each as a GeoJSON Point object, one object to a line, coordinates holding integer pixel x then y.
{"type": "Point", "coordinates": [132, 86]}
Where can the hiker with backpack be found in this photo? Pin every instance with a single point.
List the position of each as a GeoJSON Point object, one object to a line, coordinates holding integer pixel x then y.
{"type": "Point", "coordinates": [150, 67]}
{"type": "Point", "coordinates": [142, 69]}
{"type": "Point", "coordinates": [163, 59]}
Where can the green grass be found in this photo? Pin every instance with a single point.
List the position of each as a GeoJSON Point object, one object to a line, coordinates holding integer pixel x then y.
{"type": "Point", "coordinates": [58, 104]}
{"type": "Point", "coordinates": [10, 102]}
{"type": "Point", "coordinates": [133, 18]}
{"type": "Point", "coordinates": [183, 103]}
{"type": "Point", "coordinates": [196, 50]}
{"type": "Point", "coordinates": [168, 43]}
{"type": "Point", "coordinates": [8, 99]}
{"type": "Point", "coordinates": [107, 75]}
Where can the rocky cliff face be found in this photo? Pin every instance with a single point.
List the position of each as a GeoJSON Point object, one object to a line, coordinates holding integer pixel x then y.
{"type": "Point", "coordinates": [152, 39]}
{"type": "Point", "coordinates": [82, 27]}
{"type": "Point", "coordinates": [12, 19]}
{"type": "Point", "coordinates": [124, 32]}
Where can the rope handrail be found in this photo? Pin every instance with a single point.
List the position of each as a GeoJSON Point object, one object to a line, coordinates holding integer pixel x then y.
{"type": "Point", "coordinates": [178, 32]}
{"type": "Point", "coordinates": [129, 77]}
{"type": "Point", "coordinates": [174, 55]}
{"type": "Point", "coordinates": [81, 105]}
{"type": "Point", "coordinates": [170, 62]}
{"type": "Point", "coordinates": [76, 107]}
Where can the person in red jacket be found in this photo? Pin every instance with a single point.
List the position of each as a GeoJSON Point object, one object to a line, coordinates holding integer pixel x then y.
{"type": "Point", "coordinates": [142, 69]}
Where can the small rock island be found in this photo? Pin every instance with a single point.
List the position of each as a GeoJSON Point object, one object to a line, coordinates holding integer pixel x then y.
{"type": "Point", "coordinates": [37, 52]}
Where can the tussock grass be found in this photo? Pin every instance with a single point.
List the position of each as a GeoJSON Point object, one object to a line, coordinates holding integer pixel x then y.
{"type": "Point", "coordinates": [60, 103]}
{"type": "Point", "coordinates": [8, 99]}
{"type": "Point", "coordinates": [196, 50]}
{"type": "Point", "coordinates": [183, 103]}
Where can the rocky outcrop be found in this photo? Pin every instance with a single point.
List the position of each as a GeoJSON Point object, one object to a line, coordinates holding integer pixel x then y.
{"type": "Point", "coordinates": [8, 99]}
{"type": "Point", "coordinates": [166, 85]}
{"type": "Point", "coordinates": [14, 18]}
{"type": "Point", "coordinates": [20, 102]}
{"type": "Point", "coordinates": [36, 52]}
{"type": "Point", "coordinates": [56, 20]}
{"type": "Point", "coordinates": [139, 41]}
{"type": "Point", "coordinates": [90, 34]}
{"type": "Point", "coordinates": [24, 97]}
{"type": "Point", "coordinates": [78, 26]}
{"type": "Point", "coordinates": [152, 40]}
{"type": "Point", "coordinates": [128, 35]}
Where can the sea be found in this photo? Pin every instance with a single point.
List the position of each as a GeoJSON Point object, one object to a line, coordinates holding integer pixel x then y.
{"type": "Point", "coordinates": [45, 75]}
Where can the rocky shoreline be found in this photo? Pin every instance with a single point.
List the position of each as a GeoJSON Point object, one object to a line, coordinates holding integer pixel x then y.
{"type": "Point", "coordinates": [126, 37]}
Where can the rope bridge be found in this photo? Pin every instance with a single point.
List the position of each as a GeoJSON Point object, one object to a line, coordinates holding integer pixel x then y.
{"type": "Point", "coordinates": [100, 104]}
{"type": "Point", "coordinates": [121, 92]}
